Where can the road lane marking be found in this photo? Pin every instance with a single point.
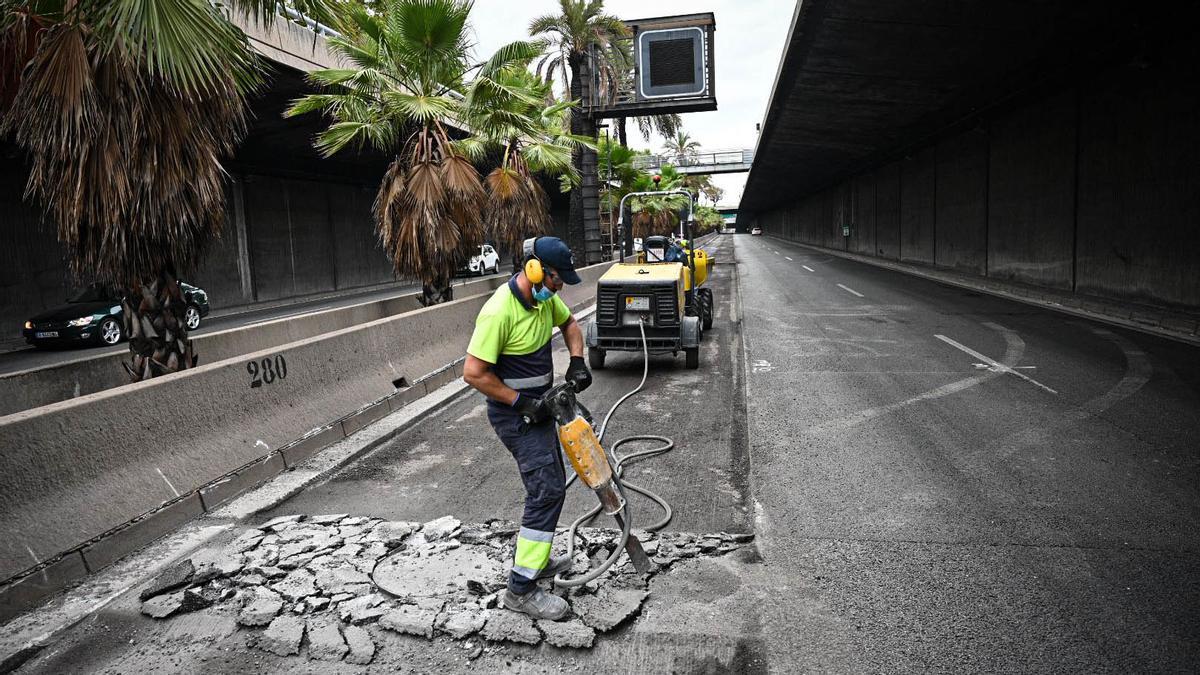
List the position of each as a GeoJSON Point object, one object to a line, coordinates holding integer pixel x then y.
{"type": "Point", "coordinates": [788, 259]}
{"type": "Point", "coordinates": [1137, 373]}
{"type": "Point", "coordinates": [851, 290]}
{"type": "Point", "coordinates": [996, 365]}
{"type": "Point", "coordinates": [167, 481]}
{"type": "Point", "coordinates": [808, 268]}
{"type": "Point", "coordinates": [1014, 349]}
{"type": "Point", "coordinates": [776, 252]}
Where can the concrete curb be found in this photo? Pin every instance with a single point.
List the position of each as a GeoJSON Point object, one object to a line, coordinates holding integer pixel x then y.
{"type": "Point", "coordinates": [1145, 319]}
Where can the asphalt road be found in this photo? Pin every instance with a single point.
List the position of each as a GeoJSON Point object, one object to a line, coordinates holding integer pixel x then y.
{"type": "Point", "coordinates": [453, 463]}
{"type": "Point", "coordinates": [939, 480]}
{"type": "Point", "coordinates": [28, 357]}
{"type": "Point", "coordinates": [956, 482]}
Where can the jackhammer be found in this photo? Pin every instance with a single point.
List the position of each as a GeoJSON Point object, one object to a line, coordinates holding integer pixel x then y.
{"type": "Point", "coordinates": [583, 448]}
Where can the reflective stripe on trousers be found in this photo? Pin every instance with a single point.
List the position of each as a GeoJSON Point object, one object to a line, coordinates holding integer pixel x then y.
{"type": "Point", "coordinates": [533, 552]}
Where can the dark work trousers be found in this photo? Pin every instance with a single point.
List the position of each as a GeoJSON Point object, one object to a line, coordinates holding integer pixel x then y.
{"type": "Point", "coordinates": [535, 447]}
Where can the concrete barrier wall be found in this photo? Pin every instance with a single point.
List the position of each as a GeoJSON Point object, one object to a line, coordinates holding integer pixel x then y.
{"type": "Point", "coordinates": [961, 209]}
{"type": "Point", "coordinates": [1090, 189]}
{"type": "Point", "coordinates": [1031, 194]}
{"type": "Point", "coordinates": [33, 388]}
{"type": "Point", "coordinates": [862, 225]}
{"type": "Point", "coordinates": [1139, 182]}
{"type": "Point", "coordinates": [887, 212]}
{"type": "Point", "coordinates": [916, 207]}
{"type": "Point", "coordinates": [71, 472]}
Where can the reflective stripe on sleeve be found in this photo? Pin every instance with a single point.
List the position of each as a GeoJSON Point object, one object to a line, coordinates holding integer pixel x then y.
{"type": "Point", "coordinates": [529, 382]}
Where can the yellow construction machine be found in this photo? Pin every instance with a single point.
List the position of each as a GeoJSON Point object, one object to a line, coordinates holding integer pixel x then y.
{"type": "Point", "coordinates": [659, 296]}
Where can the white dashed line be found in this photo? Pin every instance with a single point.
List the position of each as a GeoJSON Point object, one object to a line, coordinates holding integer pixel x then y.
{"type": "Point", "coordinates": [167, 481]}
{"type": "Point", "coordinates": [808, 268]}
{"type": "Point", "coordinates": [776, 252]}
{"type": "Point", "coordinates": [1000, 367]}
{"type": "Point", "coordinates": [788, 259]}
{"type": "Point", "coordinates": [851, 290]}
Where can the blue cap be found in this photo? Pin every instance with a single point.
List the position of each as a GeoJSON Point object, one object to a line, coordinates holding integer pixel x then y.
{"type": "Point", "coordinates": [553, 252]}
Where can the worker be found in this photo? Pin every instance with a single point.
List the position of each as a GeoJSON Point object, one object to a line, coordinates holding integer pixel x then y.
{"type": "Point", "coordinates": [509, 362]}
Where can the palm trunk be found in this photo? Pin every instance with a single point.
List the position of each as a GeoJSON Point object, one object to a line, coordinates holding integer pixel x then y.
{"type": "Point", "coordinates": [437, 291]}
{"type": "Point", "coordinates": [622, 133]}
{"type": "Point", "coordinates": [582, 125]}
{"type": "Point", "coordinates": [154, 321]}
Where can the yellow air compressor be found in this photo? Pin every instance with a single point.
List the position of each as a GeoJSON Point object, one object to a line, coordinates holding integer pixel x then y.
{"type": "Point", "coordinates": [656, 301]}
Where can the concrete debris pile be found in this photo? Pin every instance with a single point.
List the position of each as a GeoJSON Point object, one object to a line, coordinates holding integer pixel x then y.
{"type": "Point", "coordinates": [326, 582]}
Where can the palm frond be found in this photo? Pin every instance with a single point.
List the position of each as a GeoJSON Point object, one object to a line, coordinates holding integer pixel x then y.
{"type": "Point", "coordinates": [186, 43]}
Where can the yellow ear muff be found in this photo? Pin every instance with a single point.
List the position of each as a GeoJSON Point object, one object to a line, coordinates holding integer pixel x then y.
{"type": "Point", "coordinates": [533, 267]}
{"type": "Point", "coordinates": [534, 271]}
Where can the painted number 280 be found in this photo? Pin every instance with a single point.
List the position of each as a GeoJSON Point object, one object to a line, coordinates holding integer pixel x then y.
{"type": "Point", "coordinates": [267, 370]}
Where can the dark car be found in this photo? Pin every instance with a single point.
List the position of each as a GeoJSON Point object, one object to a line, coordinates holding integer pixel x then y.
{"type": "Point", "coordinates": [93, 316]}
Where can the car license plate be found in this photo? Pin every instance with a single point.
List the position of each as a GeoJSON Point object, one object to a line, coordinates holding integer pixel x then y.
{"type": "Point", "coordinates": [637, 303]}
{"type": "Point", "coordinates": [46, 334]}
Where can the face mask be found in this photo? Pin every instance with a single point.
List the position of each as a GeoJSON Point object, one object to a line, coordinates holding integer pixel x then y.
{"type": "Point", "coordinates": [543, 294]}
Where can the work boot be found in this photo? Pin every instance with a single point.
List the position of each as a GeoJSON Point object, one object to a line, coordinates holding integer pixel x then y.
{"type": "Point", "coordinates": [537, 603]}
{"type": "Point", "coordinates": [557, 565]}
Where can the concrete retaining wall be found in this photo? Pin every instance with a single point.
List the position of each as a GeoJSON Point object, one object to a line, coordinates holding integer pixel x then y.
{"type": "Point", "coordinates": [33, 388]}
{"type": "Point", "coordinates": [73, 473]}
{"type": "Point", "coordinates": [1089, 189]}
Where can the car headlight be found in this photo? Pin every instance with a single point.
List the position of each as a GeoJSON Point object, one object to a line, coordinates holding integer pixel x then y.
{"type": "Point", "coordinates": [28, 325]}
{"type": "Point", "coordinates": [82, 321]}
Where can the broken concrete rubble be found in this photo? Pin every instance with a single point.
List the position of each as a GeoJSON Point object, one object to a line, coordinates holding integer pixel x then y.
{"type": "Point", "coordinates": [260, 612]}
{"type": "Point", "coordinates": [163, 606]}
{"type": "Point", "coordinates": [175, 576]}
{"type": "Point", "coordinates": [609, 607]}
{"type": "Point", "coordinates": [325, 640]}
{"type": "Point", "coordinates": [505, 625]}
{"type": "Point", "coordinates": [283, 636]}
{"type": "Point", "coordinates": [573, 633]}
{"type": "Point", "coordinates": [410, 620]}
{"type": "Point", "coordinates": [360, 644]}
{"type": "Point", "coordinates": [328, 576]}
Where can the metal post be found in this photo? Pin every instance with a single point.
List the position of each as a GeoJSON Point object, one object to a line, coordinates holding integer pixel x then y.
{"type": "Point", "coordinates": [612, 226]}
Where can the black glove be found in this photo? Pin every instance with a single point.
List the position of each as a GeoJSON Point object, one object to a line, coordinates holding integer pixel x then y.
{"type": "Point", "coordinates": [579, 374]}
{"type": "Point", "coordinates": [532, 408]}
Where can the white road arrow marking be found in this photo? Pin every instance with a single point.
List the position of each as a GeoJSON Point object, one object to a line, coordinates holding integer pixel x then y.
{"type": "Point", "coordinates": [993, 365]}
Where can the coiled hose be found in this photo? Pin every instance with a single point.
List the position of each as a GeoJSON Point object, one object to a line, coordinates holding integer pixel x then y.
{"type": "Point", "coordinates": [617, 462]}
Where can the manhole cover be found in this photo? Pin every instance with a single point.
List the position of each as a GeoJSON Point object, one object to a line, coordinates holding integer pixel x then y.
{"type": "Point", "coordinates": [405, 574]}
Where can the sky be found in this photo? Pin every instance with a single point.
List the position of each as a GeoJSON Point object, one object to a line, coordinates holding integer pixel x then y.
{"type": "Point", "coordinates": [749, 44]}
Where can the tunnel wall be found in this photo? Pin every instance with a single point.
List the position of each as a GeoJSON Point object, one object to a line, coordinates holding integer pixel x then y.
{"type": "Point", "coordinates": [1088, 188]}
{"type": "Point", "coordinates": [301, 237]}
{"type": "Point", "coordinates": [34, 274]}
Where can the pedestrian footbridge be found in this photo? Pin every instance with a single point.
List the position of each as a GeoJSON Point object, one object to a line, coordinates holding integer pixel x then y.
{"type": "Point", "coordinates": [717, 161]}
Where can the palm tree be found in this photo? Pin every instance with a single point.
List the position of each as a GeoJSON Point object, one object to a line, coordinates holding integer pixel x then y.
{"type": "Point", "coordinates": [507, 112]}
{"type": "Point", "coordinates": [579, 36]}
{"type": "Point", "coordinates": [125, 109]}
{"type": "Point", "coordinates": [681, 146]}
{"type": "Point", "coordinates": [408, 60]}
{"type": "Point", "coordinates": [657, 214]}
